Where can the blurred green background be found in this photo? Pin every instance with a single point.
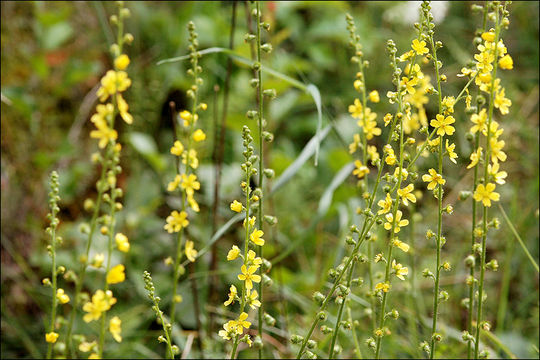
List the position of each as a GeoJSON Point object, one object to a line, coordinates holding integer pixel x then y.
{"type": "Point", "coordinates": [52, 57]}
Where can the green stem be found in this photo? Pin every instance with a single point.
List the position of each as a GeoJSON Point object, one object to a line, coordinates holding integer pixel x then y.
{"type": "Point", "coordinates": [54, 273]}
{"type": "Point", "coordinates": [355, 337]}
{"type": "Point", "coordinates": [486, 178]}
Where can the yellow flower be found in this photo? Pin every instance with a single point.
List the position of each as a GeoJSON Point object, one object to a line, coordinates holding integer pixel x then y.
{"type": "Point", "coordinates": [390, 155]}
{"type": "Point", "coordinates": [369, 117]}
{"type": "Point", "coordinates": [199, 135]}
{"type": "Point", "coordinates": [123, 108]}
{"type": "Point", "coordinates": [442, 124]}
{"type": "Point", "coordinates": [409, 84]}
{"type": "Point", "coordinates": [371, 129]}
{"type": "Point", "coordinates": [385, 205]}
{"type": "Point", "coordinates": [450, 150]}
{"type": "Point", "coordinates": [354, 145]}
{"type": "Point", "coordinates": [406, 194]}
{"type": "Point", "coordinates": [486, 194]}
{"type": "Point", "coordinates": [374, 96]}
{"type": "Point", "coordinates": [192, 203]}
{"type": "Point", "coordinates": [98, 260]}
{"type": "Point", "coordinates": [190, 251]}
{"type": "Point", "coordinates": [382, 286]}
{"type": "Point", "coordinates": [372, 153]}
{"type": "Point", "coordinates": [356, 109]}
{"type": "Point", "coordinates": [193, 160]}
{"type": "Point", "coordinates": [357, 85]}
{"type": "Point", "coordinates": [228, 330]}
{"type": "Point", "coordinates": [401, 245]}
{"type": "Point", "coordinates": [94, 356]}
{"type": "Point", "coordinates": [122, 242]}
{"type": "Point", "coordinates": [101, 302]}
{"type": "Point", "coordinates": [399, 223]}
{"type": "Point", "coordinates": [400, 270]}
{"type": "Point", "coordinates": [433, 179]}
{"type": "Point", "coordinates": [506, 62]}
{"type": "Point", "coordinates": [360, 170]}
{"type": "Point", "coordinates": [233, 253]}
{"type": "Point", "coordinates": [173, 185]}
{"type": "Point", "coordinates": [419, 47]}
{"type": "Point", "coordinates": [103, 132]}
{"type": "Point", "coordinates": [501, 102]}
{"type": "Point", "coordinates": [87, 346]}
{"type": "Point", "coordinates": [404, 173]}
{"type": "Point", "coordinates": [189, 183]}
{"type": "Point", "coordinates": [498, 176]}
{"type": "Point", "coordinates": [62, 297]}
{"type": "Point", "coordinates": [241, 323]}
{"type": "Point", "coordinates": [387, 119]}
{"type": "Point", "coordinates": [252, 299]}
{"type": "Point", "coordinates": [51, 337]}
{"type": "Point", "coordinates": [406, 56]}
{"type": "Point", "coordinates": [449, 102]}
{"type": "Point", "coordinates": [496, 150]}
{"type": "Point", "coordinates": [115, 327]}
{"type": "Point", "coordinates": [248, 275]}
{"type": "Point", "coordinates": [177, 149]}
{"type": "Point", "coordinates": [186, 116]}
{"type": "Point", "coordinates": [116, 274]}
{"type": "Point", "coordinates": [176, 221]}
{"type": "Point", "coordinates": [250, 220]}
{"type": "Point", "coordinates": [256, 237]}
{"type": "Point", "coordinates": [236, 206]}
{"type": "Point", "coordinates": [121, 62]}
{"type": "Point", "coordinates": [113, 82]}
{"type": "Point", "coordinates": [232, 295]}
{"type": "Point", "coordinates": [475, 157]}
{"type": "Point", "coordinates": [480, 121]}
{"type": "Point", "coordinates": [489, 36]}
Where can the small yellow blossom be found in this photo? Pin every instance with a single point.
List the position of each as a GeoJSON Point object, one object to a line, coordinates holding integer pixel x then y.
{"type": "Point", "coordinates": [371, 129]}
{"type": "Point", "coordinates": [475, 157]}
{"type": "Point", "coordinates": [382, 287]}
{"type": "Point", "coordinates": [116, 274]}
{"type": "Point", "coordinates": [123, 108]}
{"type": "Point", "coordinates": [236, 206]}
{"type": "Point", "coordinates": [486, 194]}
{"type": "Point", "coordinates": [228, 330]}
{"type": "Point", "coordinates": [104, 133]}
{"type": "Point", "coordinates": [489, 36]}
{"type": "Point", "coordinates": [121, 62]}
{"type": "Point", "coordinates": [401, 245]}
{"type": "Point", "coordinates": [433, 179]}
{"type": "Point", "coordinates": [94, 356]}
{"type": "Point", "coordinates": [501, 102]}
{"type": "Point", "coordinates": [87, 346]}
{"type": "Point", "coordinates": [62, 297]}
{"type": "Point", "coordinates": [189, 183]}
{"type": "Point", "coordinates": [498, 176]}
{"type": "Point", "coordinates": [232, 295]}
{"type": "Point", "coordinates": [419, 47]}
{"type": "Point", "coordinates": [98, 259]}
{"type": "Point", "coordinates": [496, 150]}
{"type": "Point", "coordinates": [356, 109]}
{"type": "Point", "coordinates": [101, 302]}
{"type": "Point", "coordinates": [361, 170]}
{"type": "Point", "coordinates": [248, 276]}
{"type": "Point", "coordinates": [252, 300]}
{"type": "Point", "coordinates": [357, 85]}
{"type": "Point", "coordinates": [241, 323]}
{"type": "Point", "coordinates": [233, 253]}
{"type": "Point", "coordinates": [177, 148]}
{"type": "Point", "coordinates": [506, 62]}
{"type": "Point", "coordinates": [186, 116]}
{"type": "Point", "coordinates": [399, 223]}
{"type": "Point", "coordinates": [178, 298]}
{"type": "Point", "coordinates": [407, 195]}
{"type": "Point", "coordinates": [387, 119]}
{"type": "Point", "coordinates": [173, 185]}
{"type": "Point", "coordinates": [192, 203]}
{"type": "Point", "coordinates": [450, 150]}
{"type": "Point", "coordinates": [374, 96]}
{"type": "Point", "coordinates": [442, 124]}
{"type": "Point", "coordinates": [480, 121]}
{"type": "Point", "coordinates": [449, 102]}
{"type": "Point", "coordinates": [404, 173]}
{"type": "Point", "coordinates": [176, 221]}
{"type": "Point", "coordinates": [400, 270]}
{"type": "Point", "coordinates": [385, 205]}
{"type": "Point", "coordinates": [354, 145]}
{"type": "Point", "coordinates": [406, 56]}
{"type": "Point", "coordinates": [51, 337]}
{"type": "Point", "coordinates": [190, 251]}
{"type": "Point", "coordinates": [255, 237]}
{"type": "Point", "coordinates": [115, 327]}
{"type": "Point", "coordinates": [122, 242]}
{"type": "Point", "coordinates": [390, 158]}
{"type": "Point", "coordinates": [113, 82]}
{"type": "Point", "coordinates": [199, 135]}
{"type": "Point", "coordinates": [193, 160]}
{"type": "Point", "coordinates": [409, 84]}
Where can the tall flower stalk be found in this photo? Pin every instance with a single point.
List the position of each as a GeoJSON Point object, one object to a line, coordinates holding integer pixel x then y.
{"type": "Point", "coordinates": [113, 84]}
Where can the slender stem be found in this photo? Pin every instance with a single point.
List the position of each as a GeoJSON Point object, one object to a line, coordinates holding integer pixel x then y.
{"type": "Point", "coordinates": [486, 178]}
{"type": "Point", "coordinates": [340, 312]}
{"type": "Point", "coordinates": [54, 273]}
{"type": "Point", "coordinates": [355, 337]}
